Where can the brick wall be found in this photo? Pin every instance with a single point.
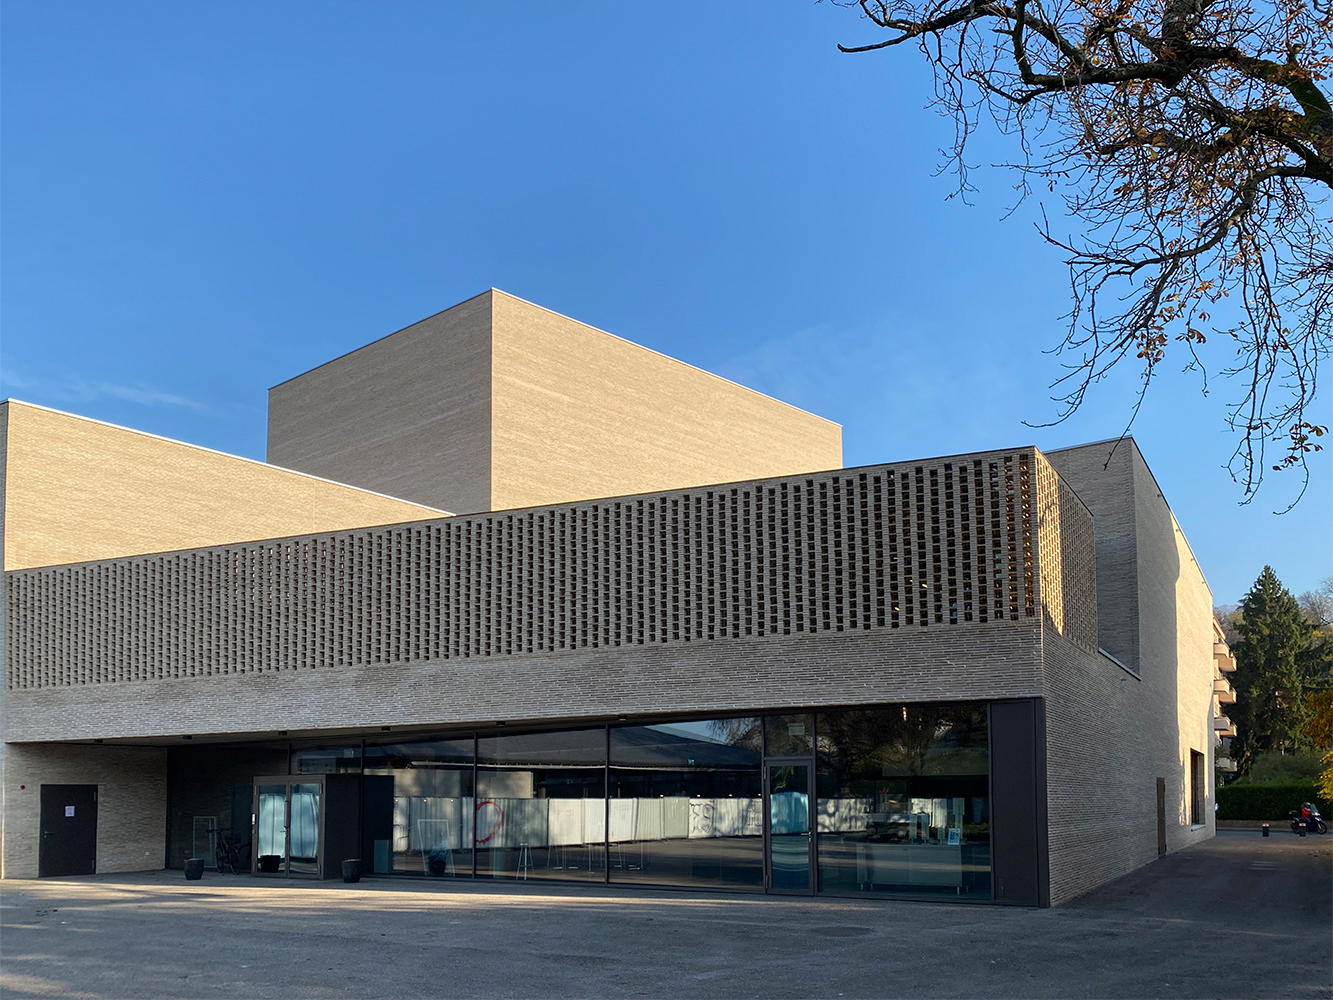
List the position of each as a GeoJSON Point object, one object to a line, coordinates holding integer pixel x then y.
{"type": "Point", "coordinates": [1102, 477]}
{"type": "Point", "coordinates": [578, 413]}
{"type": "Point", "coordinates": [408, 415]}
{"type": "Point", "coordinates": [947, 543]}
{"type": "Point", "coordinates": [131, 803]}
{"type": "Point", "coordinates": [497, 403]}
{"type": "Point", "coordinates": [977, 582]}
{"type": "Point", "coordinates": [77, 489]}
{"type": "Point", "coordinates": [1111, 734]}
{"type": "Point", "coordinates": [999, 660]}
{"type": "Point", "coordinates": [1067, 556]}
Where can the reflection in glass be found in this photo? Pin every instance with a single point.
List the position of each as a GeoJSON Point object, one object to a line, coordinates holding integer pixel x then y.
{"type": "Point", "coordinates": [327, 760]}
{"type": "Point", "coordinates": [417, 808]}
{"type": "Point", "coordinates": [903, 800]}
{"type": "Point", "coordinates": [788, 735]}
{"type": "Point", "coordinates": [303, 844]}
{"type": "Point", "coordinates": [541, 805]}
{"type": "Point", "coordinates": [271, 829]}
{"type": "Point", "coordinates": [789, 827]}
{"type": "Point", "coordinates": [686, 804]}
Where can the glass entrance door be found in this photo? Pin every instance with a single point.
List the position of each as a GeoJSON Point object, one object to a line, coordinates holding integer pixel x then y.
{"type": "Point", "coordinates": [788, 825]}
{"type": "Point", "coordinates": [288, 822]}
{"type": "Point", "coordinates": [270, 833]}
{"type": "Point", "coordinates": [303, 828]}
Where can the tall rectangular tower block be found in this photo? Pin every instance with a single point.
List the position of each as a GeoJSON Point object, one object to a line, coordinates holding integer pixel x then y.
{"type": "Point", "coordinates": [496, 403]}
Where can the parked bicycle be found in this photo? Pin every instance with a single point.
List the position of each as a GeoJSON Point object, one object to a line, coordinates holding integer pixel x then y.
{"type": "Point", "coordinates": [231, 854]}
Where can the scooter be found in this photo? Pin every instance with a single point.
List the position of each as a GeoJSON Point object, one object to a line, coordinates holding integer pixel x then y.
{"type": "Point", "coordinates": [1307, 816]}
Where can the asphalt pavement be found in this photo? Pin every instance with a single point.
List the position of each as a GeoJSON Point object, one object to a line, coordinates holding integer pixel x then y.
{"type": "Point", "coordinates": [1238, 916]}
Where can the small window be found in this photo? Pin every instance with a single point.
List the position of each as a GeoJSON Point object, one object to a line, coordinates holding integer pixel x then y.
{"type": "Point", "coordinates": [1198, 788]}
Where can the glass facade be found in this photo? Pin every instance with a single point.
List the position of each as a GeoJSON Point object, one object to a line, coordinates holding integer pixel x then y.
{"type": "Point", "coordinates": [327, 760]}
{"type": "Point", "coordinates": [417, 808]}
{"type": "Point", "coordinates": [686, 804]}
{"type": "Point", "coordinates": [788, 735]}
{"type": "Point", "coordinates": [891, 799]}
{"type": "Point", "coordinates": [541, 805]}
{"type": "Point", "coordinates": [903, 800]}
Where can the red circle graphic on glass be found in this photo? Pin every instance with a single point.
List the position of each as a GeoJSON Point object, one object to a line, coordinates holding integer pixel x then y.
{"type": "Point", "coordinates": [497, 821]}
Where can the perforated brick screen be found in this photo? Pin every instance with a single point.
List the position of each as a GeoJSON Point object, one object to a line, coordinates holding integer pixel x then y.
{"type": "Point", "coordinates": [941, 543]}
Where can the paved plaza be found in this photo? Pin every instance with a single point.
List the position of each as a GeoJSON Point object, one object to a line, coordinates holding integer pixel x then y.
{"type": "Point", "coordinates": [1238, 916]}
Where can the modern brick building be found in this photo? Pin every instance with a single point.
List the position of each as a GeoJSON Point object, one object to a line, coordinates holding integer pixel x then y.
{"type": "Point", "coordinates": [671, 641]}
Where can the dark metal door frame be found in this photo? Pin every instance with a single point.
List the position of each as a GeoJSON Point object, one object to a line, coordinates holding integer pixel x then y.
{"type": "Point", "coordinates": [808, 762]}
{"type": "Point", "coordinates": [1161, 817]}
{"type": "Point", "coordinates": [287, 780]}
{"type": "Point", "coordinates": [62, 825]}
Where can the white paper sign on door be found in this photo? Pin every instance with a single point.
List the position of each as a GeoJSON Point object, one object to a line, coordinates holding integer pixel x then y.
{"type": "Point", "coordinates": [69, 810]}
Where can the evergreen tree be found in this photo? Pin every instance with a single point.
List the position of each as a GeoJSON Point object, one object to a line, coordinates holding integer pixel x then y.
{"type": "Point", "coordinates": [1270, 672]}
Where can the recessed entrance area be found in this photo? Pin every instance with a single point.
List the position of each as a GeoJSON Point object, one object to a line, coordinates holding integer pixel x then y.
{"type": "Point", "coordinates": [303, 823]}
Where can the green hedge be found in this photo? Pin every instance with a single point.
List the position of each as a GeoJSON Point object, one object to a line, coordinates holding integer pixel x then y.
{"type": "Point", "coordinates": [1267, 801]}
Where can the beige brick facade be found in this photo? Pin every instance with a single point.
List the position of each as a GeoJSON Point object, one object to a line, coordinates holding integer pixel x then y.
{"type": "Point", "coordinates": [408, 415]}
{"type": "Point", "coordinates": [910, 582]}
{"type": "Point", "coordinates": [73, 489]}
{"type": "Point", "coordinates": [497, 403]}
{"type": "Point", "coordinates": [78, 489]}
{"type": "Point", "coordinates": [1111, 733]}
{"type": "Point", "coordinates": [997, 660]}
{"type": "Point", "coordinates": [578, 414]}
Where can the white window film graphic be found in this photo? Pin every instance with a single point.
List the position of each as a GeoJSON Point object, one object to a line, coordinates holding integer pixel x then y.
{"type": "Point", "coordinates": [789, 827]}
{"type": "Point", "coordinates": [204, 835]}
{"type": "Point", "coordinates": [789, 812]}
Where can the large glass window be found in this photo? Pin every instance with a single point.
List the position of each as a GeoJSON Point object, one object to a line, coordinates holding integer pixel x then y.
{"type": "Point", "coordinates": [903, 800]}
{"type": "Point", "coordinates": [788, 735]}
{"type": "Point", "coordinates": [541, 805]}
{"type": "Point", "coordinates": [418, 807]}
{"type": "Point", "coordinates": [686, 804]}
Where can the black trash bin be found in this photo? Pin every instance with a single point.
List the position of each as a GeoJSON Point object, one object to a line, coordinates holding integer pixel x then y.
{"type": "Point", "coordinates": [194, 869]}
{"type": "Point", "coordinates": [270, 863]}
{"type": "Point", "coordinates": [352, 870]}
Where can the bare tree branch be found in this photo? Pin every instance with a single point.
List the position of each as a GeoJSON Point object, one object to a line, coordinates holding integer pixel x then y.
{"type": "Point", "coordinates": [1192, 141]}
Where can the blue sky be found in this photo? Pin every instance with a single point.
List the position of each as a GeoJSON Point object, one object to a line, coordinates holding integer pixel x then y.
{"type": "Point", "coordinates": [202, 200]}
